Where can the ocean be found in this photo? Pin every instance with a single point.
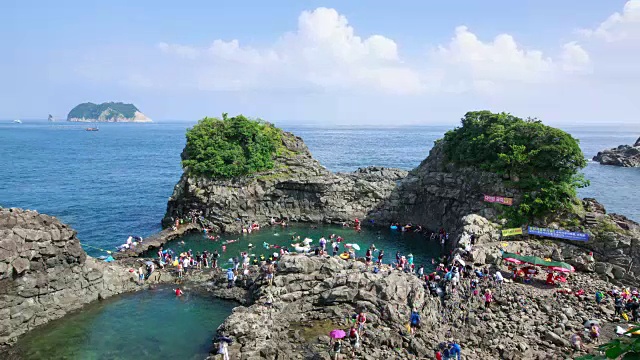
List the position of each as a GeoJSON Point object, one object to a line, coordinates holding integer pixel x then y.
{"type": "Point", "coordinates": [115, 182]}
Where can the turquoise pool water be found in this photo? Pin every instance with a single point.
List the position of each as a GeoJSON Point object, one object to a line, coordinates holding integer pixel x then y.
{"type": "Point", "coordinates": [390, 241]}
{"type": "Point", "coordinates": [152, 324]}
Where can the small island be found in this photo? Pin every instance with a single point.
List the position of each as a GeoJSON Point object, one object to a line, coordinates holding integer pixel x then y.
{"type": "Point", "coordinates": [106, 112]}
{"type": "Point", "coordinates": [623, 155]}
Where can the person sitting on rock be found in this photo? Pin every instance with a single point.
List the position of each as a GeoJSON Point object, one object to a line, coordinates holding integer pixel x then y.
{"type": "Point", "coordinates": [576, 341]}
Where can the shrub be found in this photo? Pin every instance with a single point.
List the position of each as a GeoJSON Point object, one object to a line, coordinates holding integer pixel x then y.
{"type": "Point", "coordinates": [231, 146]}
{"type": "Point", "coordinates": [540, 160]}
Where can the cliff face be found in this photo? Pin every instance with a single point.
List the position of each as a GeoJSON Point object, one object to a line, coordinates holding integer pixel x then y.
{"type": "Point", "coordinates": [45, 273]}
{"type": "Point", "coordinates": [299, 188]}
{"type": "Point", "coordinates": [438, 194]}
{"type": "Point", "coordinates": [623, 155]}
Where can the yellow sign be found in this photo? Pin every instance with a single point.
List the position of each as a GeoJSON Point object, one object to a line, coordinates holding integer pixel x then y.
{"type": "Point", "coordinates": [511, 232]}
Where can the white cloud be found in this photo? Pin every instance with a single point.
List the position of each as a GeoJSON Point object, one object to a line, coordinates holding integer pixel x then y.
{"type": "Point", "coordinates": [326, 58]}
{"type": "Point", "coordinates": [619, 26]}
{"type": "Point", "coordinates": [325, 52]}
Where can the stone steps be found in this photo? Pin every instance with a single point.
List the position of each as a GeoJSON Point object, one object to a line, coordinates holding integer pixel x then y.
{"type": "Point", "coordinates": [590, 219]}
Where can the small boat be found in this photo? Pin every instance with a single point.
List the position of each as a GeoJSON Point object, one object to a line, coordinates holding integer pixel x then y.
{"type": "Point", "coordinates": [92, 128]}
{"type": "Point", "coordinates": [17, 121]}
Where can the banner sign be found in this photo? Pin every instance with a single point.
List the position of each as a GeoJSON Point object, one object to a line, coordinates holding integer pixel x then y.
{"type": "Point", "coordinates": [499, 199]}
{"type": "Point", "coordinates": [560, 234]}
{"type": "Point", "coordinates": [511, 232]}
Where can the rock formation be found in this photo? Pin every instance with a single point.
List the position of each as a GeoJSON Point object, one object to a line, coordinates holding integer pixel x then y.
{"type": "Point", "coordinates": [438, 193]}
{"type": "Point", "coordinates": [299, 188]}
{"type": "Point", "coordinates": [623, 155]}
{"type": "Point", "coordinates": [45, 273]}
{"type": "Point", "coordinates": [314, 295]}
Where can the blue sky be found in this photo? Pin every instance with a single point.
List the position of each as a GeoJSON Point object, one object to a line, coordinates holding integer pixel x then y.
{"type": "Point", "coordinates": [344, 62]}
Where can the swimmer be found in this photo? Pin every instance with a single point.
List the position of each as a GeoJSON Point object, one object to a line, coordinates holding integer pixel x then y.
{"type": "Point", "coordinates": [179, 292]}
{"type": "Point", "coordinates": [224, 248]}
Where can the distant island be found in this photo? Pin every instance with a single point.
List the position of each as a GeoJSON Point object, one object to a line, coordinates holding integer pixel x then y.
{"type": "Point", "coordinates": [106, 112]}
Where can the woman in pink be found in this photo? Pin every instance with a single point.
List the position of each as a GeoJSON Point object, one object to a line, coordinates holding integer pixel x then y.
{"type": "Point", "coordinates": [488, 298]}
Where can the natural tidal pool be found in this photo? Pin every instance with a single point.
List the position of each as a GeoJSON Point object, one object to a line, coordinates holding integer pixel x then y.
{"type": "Point", "coordinates": [390, 241]}
{"type": "Point", "coordinates": [151, 324]}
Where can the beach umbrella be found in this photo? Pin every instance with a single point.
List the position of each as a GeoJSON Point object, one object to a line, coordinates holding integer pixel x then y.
{"type": "Point", "coordinates": [355, 246]}
{"type": "Point", "coordinates": [337, 334]}
{"type": "Point", "coordinates": [512, 260]}
{"type": "Point", "coordinates": [149, 263]}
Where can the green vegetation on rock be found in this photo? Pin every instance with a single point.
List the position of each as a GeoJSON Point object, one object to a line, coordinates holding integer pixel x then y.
{"type": "Point", "coordinates": [541, 161]}
{"type": "Point", "coordinates": [109, 110]}
{"type": "Point", "coordinates": [231, 147]}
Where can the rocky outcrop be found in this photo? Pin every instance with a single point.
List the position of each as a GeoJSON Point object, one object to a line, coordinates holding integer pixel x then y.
{"type": "Point", "coordinates": [438, 194]}
{"type": "Point", "coordinates": [314, 295]}
{"type": "Point", "coordinates": [45, 273]}
{"type": "Point", "coordinates": [299, 188]}
{"type": "Point", "coordinates": [623, 155]}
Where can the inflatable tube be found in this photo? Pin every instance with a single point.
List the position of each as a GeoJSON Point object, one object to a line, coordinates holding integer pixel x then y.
{"type": "Point", "coordinates": [393, 227]}
{"type": "Point", "coordinates": [347, 245]}
{"type": "Point", "coordinates": [344, 256]}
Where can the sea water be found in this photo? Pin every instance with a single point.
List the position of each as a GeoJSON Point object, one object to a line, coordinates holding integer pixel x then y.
{"type": "Point", "coordinates": [115, 182]}
{"type": "Point", "coordinates": [153, 324]}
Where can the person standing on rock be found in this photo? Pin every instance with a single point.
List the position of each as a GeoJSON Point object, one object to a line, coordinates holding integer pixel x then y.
{"type": "Point", "coordinates": [361, 319]}
{"type": "Point", "coordinates": [354, 339]}
{"type": "Point", "coordinates": [618, 304]}
{"type": "Point", "coordinates": [576, 341]}
{"type": "Point", "coordinates": [488, 298]}
{"type": "Point", "coordinates": [380, 256]}
{"type": "Point", "coordinates": [231, 277]}
{"type": "Point", "coordinates": [337, 347]}
{"type": "Point", "coordinates": [270, 272]}
{"type": "Point", "coordinates": [414, 321]}
{"type": "Point", "coordinates": [214, 261]}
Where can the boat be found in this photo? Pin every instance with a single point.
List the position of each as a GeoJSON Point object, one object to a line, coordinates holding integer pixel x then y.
{"type": "Point", "coordinates": [92, 129]}
{"type": "Point", "coordinates": [51, 118]}
{"type": "Point", "coordinates": [17, 121]}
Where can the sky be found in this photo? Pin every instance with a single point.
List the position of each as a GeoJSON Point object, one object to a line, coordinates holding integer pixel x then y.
{"type": "Point", "coordinates": [350, 62]}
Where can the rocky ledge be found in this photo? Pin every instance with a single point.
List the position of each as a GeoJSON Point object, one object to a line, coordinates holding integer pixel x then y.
{"type": "Point", "coordinates": [299, 188]}
{"type": "Point", "coordinates": [623, 155]}
{"type": "Point", "coordinates": [314, 295]}
{"type": "Point", "coordinates": [45, 273]}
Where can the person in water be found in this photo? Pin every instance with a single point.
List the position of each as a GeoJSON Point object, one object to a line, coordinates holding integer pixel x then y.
{"type": "Point", "coordinates": [179, 292]}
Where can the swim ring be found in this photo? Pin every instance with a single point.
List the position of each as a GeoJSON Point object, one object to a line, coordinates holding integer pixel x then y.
{"type": "Point", "coordinates": [344, 256]}
{"type": "Point", "coordinates": [393, 227]}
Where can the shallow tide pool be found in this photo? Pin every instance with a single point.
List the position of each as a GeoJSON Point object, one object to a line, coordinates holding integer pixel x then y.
{"type": "Point", "coordinates": [152, 324]}
{"type": "Point", "coordinates": [390, 241]}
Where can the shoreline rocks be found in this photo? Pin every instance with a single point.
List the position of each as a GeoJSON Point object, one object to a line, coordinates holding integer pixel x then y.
{"type": "Point", "coordinates": [45, 273]}
{"type": "Point", "coordinates": [623, 155]}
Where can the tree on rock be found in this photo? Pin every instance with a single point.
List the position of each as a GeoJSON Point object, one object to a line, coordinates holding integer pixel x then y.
{"type": "Point", "coordinates": [231, 147]}
{"type": "Point", "coordinates": [542, 161]}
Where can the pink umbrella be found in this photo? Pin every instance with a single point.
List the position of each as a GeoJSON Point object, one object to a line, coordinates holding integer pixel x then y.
{"type": "Point", "coordinates": [337, 334]}
{"type": "Point", "coordinates": [561, 269]}
{"type": "Point", "coordinates": [512, 260]}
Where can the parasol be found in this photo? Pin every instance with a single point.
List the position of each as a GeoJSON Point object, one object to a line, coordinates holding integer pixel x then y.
{"type": "Point", "coordinates": [355, 246]}
{"type": "Point", "coordinates": [337, 334]}
{"type": "Point", "coordinates": [588, 323]}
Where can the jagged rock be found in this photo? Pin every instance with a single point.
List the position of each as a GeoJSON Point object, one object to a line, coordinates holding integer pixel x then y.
{"type": "Point", "coordinates": [40, 281]}
{"type": "Point", "coordinates": [299, 188]}
{"type": "Point", "coordinates": [623, 155]}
